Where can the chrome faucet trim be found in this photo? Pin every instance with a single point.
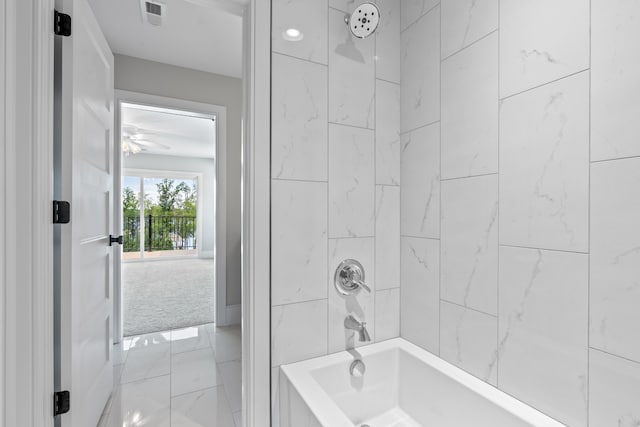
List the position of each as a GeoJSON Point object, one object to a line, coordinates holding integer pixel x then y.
{"type": "Point", "coordinates": [352, 323]}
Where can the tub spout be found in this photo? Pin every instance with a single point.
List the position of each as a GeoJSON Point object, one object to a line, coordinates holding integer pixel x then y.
{"type": "Point", "coordinates": [352, 323]}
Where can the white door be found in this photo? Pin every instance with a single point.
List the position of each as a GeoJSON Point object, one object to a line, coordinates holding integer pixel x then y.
{"type": "Point", "coordinates": [86, 264]}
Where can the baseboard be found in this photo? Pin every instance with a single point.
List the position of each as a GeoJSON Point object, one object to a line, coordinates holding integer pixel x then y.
{"type": "Point", "coordinates": [234, 314]}
{"type": "Point", "coordinates": [206, 254]}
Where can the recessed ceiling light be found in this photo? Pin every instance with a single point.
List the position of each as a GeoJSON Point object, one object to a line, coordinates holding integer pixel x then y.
{"type": "Point", "coordinates": [292, 35]}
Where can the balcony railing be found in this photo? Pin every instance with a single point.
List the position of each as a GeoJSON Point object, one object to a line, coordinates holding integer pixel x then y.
{"type": "Point", "coordinates": [161, 233]}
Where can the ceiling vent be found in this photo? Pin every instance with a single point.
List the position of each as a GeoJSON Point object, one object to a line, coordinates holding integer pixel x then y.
{"type": "Point", "coordinates": [153, 12]}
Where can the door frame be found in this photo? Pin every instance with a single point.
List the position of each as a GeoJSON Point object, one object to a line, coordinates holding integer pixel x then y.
{"type": "Point", "coordinates": [26, 182]}
{"type": "Point", "coordinates": [220, 250]}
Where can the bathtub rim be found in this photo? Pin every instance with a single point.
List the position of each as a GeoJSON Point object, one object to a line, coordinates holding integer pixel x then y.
{"type": "Point", "coordinates": [299, 376]}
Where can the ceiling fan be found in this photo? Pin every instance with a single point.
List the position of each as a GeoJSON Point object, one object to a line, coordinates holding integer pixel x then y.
{"type": "Point", "coordinates": [135, 140]}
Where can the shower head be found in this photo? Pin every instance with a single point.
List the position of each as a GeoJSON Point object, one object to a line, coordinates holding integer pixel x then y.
{"type": "Point", "coordinates": [364, 20]}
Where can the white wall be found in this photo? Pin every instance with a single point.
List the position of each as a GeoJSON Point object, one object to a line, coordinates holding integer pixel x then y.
{"type": "Point", "coordinates": [335, 178]}
{"type": "Point", "coordinates": [524, 271]}
{"type": "Point", "coordinates": [206, 189]}
{"type": "Point", "coordinates": [154, 78]}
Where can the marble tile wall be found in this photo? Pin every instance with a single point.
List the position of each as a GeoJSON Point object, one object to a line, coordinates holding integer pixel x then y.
{"type": "Point", "coordinates": [335, 177]}
{"type": "Point", "coordinates": [520, 200]}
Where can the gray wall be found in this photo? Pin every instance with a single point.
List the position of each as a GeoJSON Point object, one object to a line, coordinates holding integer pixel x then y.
{"type": "Point", "coordinates": [520, 132]}
{"type": "Point", "coordinates": [154, 78]}
{"type": "Point", "coordinates": [206, 188]}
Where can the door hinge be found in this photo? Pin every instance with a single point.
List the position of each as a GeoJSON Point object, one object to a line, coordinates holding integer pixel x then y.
{"type": "Point", "coordinates": [62, 24]}
{"type": "Point", "coordinates": [61, 212]}
{"type": "Point", "coordinates": [61, 402]}
{"type": "Point", "coordinates": [115, 239]}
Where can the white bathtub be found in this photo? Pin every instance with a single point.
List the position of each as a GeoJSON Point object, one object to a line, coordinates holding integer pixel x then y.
{"type": "Point", "coordinates": [403, 385]}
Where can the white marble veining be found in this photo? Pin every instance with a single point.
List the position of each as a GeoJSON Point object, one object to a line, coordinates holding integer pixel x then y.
{"type": "Point", "coordinates": [420, 190]}
{"type": "Point", "coordinates": [412, 10]}
{"type": "Point", "coordinates": [345, 5]}
{"type": "Point", "coordinates": [387, 133]}
{"type": "Point", "coordinates": [189, 339]}
{"type": "Point", "coordinates": [466, 21]}
{"type": "Point", "coordinates": [192, 371]}
{"type": "Point", "coordinates": [544, 166]}
{"type": "Point", "coordinates": [298, 134]}
{"type": "Point", "coordinates": [202, 408]}
{"type": "Point", "coordinates": [147, 400]}
{"type": "Point", "coordinates": [615, 94]}
{"type": "Point", "coordinates": [387, 314]}
{"type": "Point", "coordinates": [296, 14]}
{"type": "Point", "coordinates": [387, 240]}
{"type": "Point", "coordinates": [388, 41]}
{"type": "Point", "coordinates": [541, 41]}
{"type": "Point", "coordinates": [147, 362]}
{"type": "Point", "coordinates": [470, 110]}
{"type": "Point", "coordinates": [351, 182]}
{"type": "Point", "coordinates": [299, 241]}
{"type": "Point", "coordinates": [469, 242]}
{"type": "Point", "coordinates": [351, 75]}
{"type": "Point", "coordinates": [226, 342]}
{"type": "Point", "coordinates": [419, 296]}
{"type": "Point", "coordinates": [615, 257]}
{"type": "Point", "coordinates": [231, 374]}
{"type": "Point", "coordinates": [420, 65]}
{"type": "Point", "coordinates": [543, 333]}
{"type": "Point", "coordinates": [361, 306]}
{"type": "Point", "coordinates": [614, 387]}
{"type": "Point", "coordinates": [469, 340]}
{"type": "Point", "coordinates": [293, 324]}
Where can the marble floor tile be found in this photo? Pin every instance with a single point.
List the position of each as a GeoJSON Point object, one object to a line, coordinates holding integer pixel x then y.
{"type": "Point", "coordinates": [142, 403]}
{"type": "Point", "coordinates": [202, 408]}
{"type": "Point", "coordinates": [192, 371]}
{"type": "Point", "coordinates": [231, 373]}
{"type": "Point", "coordinates": [227, 343]}
{"type": "Point", "coordinates": [189, 339]}
{"type": "Point", "coordinates": [150, 362]}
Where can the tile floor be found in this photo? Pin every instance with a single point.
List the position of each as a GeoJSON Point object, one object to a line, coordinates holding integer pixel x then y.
{"type": "Point", "coordinates": [188, 377]}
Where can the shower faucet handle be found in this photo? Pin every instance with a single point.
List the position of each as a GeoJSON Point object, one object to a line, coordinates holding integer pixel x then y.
{"type": "Point", "coordinates": [349, 278]}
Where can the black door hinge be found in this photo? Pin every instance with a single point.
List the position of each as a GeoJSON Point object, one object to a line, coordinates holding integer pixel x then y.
{"type": "Point", "coordinates": [115, 239]}
{"type": "Point", "coordinates": [61, 212]}
{"type": "Point", "coordinates": [62, 24]}
{"type": "Point", "coordinates": [61, 402]}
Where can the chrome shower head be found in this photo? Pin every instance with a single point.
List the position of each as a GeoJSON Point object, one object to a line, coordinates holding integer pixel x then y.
{"type": "Point", "coordinates": [364, 20]}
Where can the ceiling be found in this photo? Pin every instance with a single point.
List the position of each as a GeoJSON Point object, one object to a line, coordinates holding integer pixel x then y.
{"type": "Point", "coordinates": [169, 132]}
{"type": "Point", "coordinates": [204, 35]}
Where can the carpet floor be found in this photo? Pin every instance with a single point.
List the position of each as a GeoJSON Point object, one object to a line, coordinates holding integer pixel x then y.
{"type": "Point", "coordinates": [167, 294]}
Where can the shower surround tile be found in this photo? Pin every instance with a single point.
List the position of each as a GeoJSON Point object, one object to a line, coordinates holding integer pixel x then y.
{"type": "Point", "coordinates": [361, 306]}
{"type": "Point", "coordinates": [615, 94]}
{"type": "Point", "coordinates": [299, 241]}
{"type": "Point", "coordinates": [544, 166]}
{"type": "Point", "coordinates": [351, 75]}
{"type": "Point", "coordinates": [387, 314]}
{"type": "Point", "coordinates": [470, 110]}
{"type": "Point", "coordinates": [299, 135]}
{"type": "Point", "coordinates": [351, 182]}
{"type": "Point", "coordinates": [387, 241]}
{"type": "Point", "coordinates": [298, 331]}
{"type": "Point", "coordinates": [541, 41]}
{"type": "Point", "coordinates": [388, 41]}
{"type": "Point", "coordinates": [614, 387]}
{"type": "Point", "coordinates": [543, 333]}
{"type": "Point", "coordinates": [412, 10]}
{"type": "Point", "coordinates": [295, 14]}
{"type": "Point", "coordinates": [469, 340]}
{"type": "Point", "coordinates": [420, 299]}
{"type": "Point", "coordinates": [420, 65]}
{"type": "Point", "coordinates": [420, 190]}
{"type": "Point", "coordinates": [466, 21]}
{"type": "Point", "coordinates": [387, 133]}
{"type": "Point", "coordinates": [615, 257]}
{"type": "Point", "coordinates": [469, 242]}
